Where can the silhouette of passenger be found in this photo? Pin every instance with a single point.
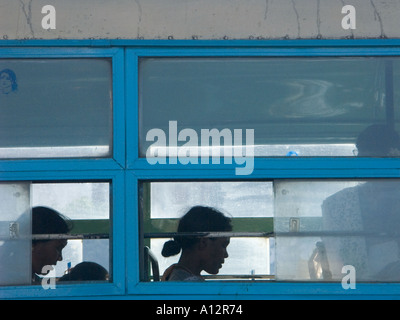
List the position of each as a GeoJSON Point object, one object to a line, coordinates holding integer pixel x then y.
{"type": "Point", "coordinates": [369, 214]}
{"type": "Point", "coordinates": [86, 271]}
{"type": "Point", "coordinates": [47, 252]}
{"type": "Point", "coordinates": [378, 140]}
{"type": "Point", "coordinates": [199, 253]}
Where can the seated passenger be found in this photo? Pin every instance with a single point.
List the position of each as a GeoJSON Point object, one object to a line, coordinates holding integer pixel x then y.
{"type": "Point", "coordinates": [46, 221]}
{"type": "Point", "coordinates": [86, 271]}
{"type": "Point", "coordinates": [367, 216]}
{"type": "Point", "coordinates": [198, 252]}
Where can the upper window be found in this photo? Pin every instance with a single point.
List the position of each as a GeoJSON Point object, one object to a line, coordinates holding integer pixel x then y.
{"type": "Point", "coordinates": [297, 106]}
{"type": "Point", "coordinates": [62, 154]}
{"type": "Point", "coordinates": [55, 108]}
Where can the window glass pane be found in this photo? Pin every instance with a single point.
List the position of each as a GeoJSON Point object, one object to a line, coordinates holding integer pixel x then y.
{"type": "Point", "coordinates": [15, 232]}
{"type": "Point", "coordinates": [65, 228]}
{"type": "Point", "coordinates": [88, 206]}
{"type": "Point", "coordinates": [296, 106]}
{"type": "Point", "coordinates": [295, 230]}
{"type": "Point", "coordinates": [322, 226]}
{"type": "Point", "coordinates": [245, 199]}
{"type": "Point", "coordinates": [244, 262]}
{"type": "Point", "coordinates": [55, 108]}
{"type": "Point", "coordinates": [247, 204]}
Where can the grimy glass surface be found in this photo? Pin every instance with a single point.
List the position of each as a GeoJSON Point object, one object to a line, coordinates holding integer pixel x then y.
{"type": "Point", "coordinates": [323, 226]}
{"type": "Point", "coordinates": [248, 204]}
{"type": "Point", "coordinates": [55, 108]}
{"type": "Point", "coordinates": [85, 206]}
{"type": "Point", "coordinates": [293, 230]}
{"type": "Point", "coordinates": [15, 232]}
{"type": "Point", "coordinates": [304, 106]}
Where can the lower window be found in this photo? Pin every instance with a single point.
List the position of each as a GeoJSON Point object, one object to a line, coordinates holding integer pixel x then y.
{"type": "Point", "coordinates": [280, 230]}
{"type": "Point", "coordinates": [58, 231]}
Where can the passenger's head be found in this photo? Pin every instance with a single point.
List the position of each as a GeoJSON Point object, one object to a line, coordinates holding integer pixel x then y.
{"type": "Point", "coordinates": [378, 140]}
{"type": "Point", "coordinates": [86, 271]}
{"type": "Point", "coordinates": [211, 251]}
{"type": "Point", "coordinates": [46, 221]}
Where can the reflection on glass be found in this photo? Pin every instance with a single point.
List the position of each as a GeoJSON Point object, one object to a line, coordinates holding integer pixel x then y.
{"type": "Point", "coordinates": [296, 106]}
{"type": "Point", "coordinates": [55, 108]}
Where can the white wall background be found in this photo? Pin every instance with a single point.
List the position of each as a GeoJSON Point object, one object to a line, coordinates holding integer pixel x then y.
{"type": "Point", "coordinates": [199, 19]}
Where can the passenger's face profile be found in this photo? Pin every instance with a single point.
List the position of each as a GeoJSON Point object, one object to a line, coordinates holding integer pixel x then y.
{"type": "Point", "coordinates": [216, 253]}
{"type": "Point", "coordinates": [49, 252]}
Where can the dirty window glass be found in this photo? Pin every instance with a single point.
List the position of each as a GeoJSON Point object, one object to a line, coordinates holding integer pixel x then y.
{"type": "Point", "coordinates": [282, 230]}
{"type": "Point", "coordinates": [15, 232]}
{"type": "Point", "coordinates": [298, 106]}
{"type": "Point", "coordinates": [350, 224]}
{"type": "Point", "coordinates": [247, 204]}
{"type": "Point", "coordinates": [55, 233]}
{"type": "Point", "coordinates": [55, 108]}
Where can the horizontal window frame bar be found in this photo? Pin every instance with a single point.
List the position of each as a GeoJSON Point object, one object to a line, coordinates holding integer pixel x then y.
{"type": "Point", "coordinates": [279, 162]}
{"type": "Point", "coordinates": [265, 289]}
{"type": "Point", "coordinates": [40, 165]}
{"type": "Point", "coordinates": [274, 234]}
{"type": "Point", "coordinates": [60, 152]}
{"type": "Point", "coordinates": [267, 52]}
{"type": "Point", "coordinates": [140, 43]}
{"type": "Point", "coordinates": [148, 235]}
{"type": "Point", "coordinates": [54, 52]}
{"type": "Point", "coordinates": [62, 176]}
{"type": "Point", "coordinates": [43, 237]}
{"type": "Point", "coordinates": [239, 224]}
{"type": "Point", "coordinates": [240, 277]}
{"type": "Point", "coordinates": [265, 174]}
{"type": "Point", "coordinates": [82, 236]}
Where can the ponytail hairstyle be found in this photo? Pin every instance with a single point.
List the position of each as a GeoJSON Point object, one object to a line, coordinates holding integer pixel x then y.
{"type": "Point", "coordinates": [197, 219]}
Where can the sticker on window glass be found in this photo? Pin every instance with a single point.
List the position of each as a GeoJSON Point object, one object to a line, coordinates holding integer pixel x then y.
{"type": "Point", "coordinates": [8, 81]}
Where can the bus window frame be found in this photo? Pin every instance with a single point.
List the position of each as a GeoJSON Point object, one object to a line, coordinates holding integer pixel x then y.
{"type": "Point", "coordinates": [125, 170]}
{"type": "Point", "coordinates": [139, 170]}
